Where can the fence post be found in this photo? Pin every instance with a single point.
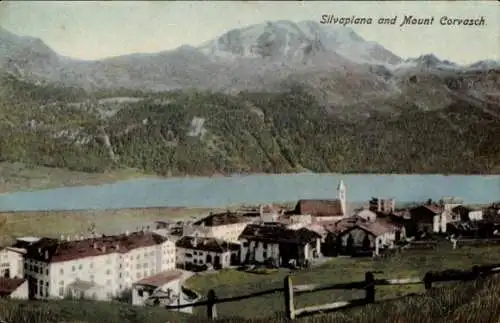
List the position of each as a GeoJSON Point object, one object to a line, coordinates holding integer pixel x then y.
{"type": "Point", "coordinates": [211, 308]}
{"type": "Point", "coordinates": [370, 287]}
{"type": "Point", "coordinates": [428, 281]}
{"type": "Point", "coordinates": [476, 272]}
{"type": "Point", "coordinates": [289, 306]}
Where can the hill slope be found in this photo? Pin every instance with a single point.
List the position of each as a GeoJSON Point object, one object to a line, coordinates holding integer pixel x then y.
{"type": "Point", "coordinates": [206, 133]}
{"type": "Point", "coordinates": [464, 302]}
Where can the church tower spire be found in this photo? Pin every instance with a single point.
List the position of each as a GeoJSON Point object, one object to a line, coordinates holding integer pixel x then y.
{"type": "Point", "coordinates": [341, 195]}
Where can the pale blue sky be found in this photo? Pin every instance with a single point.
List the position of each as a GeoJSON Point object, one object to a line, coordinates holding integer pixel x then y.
{"type": "Point", "coordinates": [91, 30]}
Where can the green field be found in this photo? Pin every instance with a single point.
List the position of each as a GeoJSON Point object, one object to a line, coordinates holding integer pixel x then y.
{"type": "Point", "coordinates": [55, 223]}
{"type": "Point", "coordinates": [408, 264]}
{"type": "Point", "coordinates": [22, 177]}
{"type": "Point", "coordinates": [470, 302]}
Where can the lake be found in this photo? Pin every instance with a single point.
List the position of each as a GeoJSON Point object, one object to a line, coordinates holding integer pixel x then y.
{"type": "Point", "coordinates": [223, 191]}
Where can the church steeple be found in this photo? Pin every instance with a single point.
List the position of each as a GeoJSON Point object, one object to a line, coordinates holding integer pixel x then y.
{"type": "Point", "coordinates": [341, 195]}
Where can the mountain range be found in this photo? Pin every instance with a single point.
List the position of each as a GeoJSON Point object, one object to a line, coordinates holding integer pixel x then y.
{"type": "Point", "coordinates": [273, 97]}
{"type": "Point", "coordinates": [248, 58]}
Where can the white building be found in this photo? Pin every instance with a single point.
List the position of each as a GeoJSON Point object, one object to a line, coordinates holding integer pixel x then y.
{"type": "Point", "coordinates": [99, 267]}
{"type": "Point", "coordinates": [367, 215]}
{"type": "Point", "coordinates": [225, 226]}
{"type": "Point", "coordinates": [196, 251]}
{"type": "Point", "coordinates": [11, 262]}
{"type": "Point", "coordinates": [13, 288]}
{"type": "Point", "coordinates": [465, 213]}
{"type": "Point", "coordinates": [279, 244]}
{"type": "Point", "coordinates": [162, 289]}
{"type": "Point", "coordinates": [369, 236]}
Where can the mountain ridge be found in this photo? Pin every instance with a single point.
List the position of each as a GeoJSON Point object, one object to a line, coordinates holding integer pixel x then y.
{"type": "Point", "coordinates": [240, 59]}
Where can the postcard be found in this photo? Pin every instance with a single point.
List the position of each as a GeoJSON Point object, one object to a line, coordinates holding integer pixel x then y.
{"type": "Point", "coordinates": [263, 161]}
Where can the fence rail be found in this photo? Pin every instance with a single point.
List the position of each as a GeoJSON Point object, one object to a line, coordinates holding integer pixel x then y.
{"type": "Point", "coordinates": [368, 285]}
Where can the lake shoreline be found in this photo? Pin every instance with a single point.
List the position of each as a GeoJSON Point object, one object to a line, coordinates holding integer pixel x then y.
{"type": "Point", "coordinates": [223, 192]}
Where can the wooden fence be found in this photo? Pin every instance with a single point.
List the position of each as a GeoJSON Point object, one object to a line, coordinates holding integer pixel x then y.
{"type": "Point", "coordinates": [475, 242]}
{"type": "Point", "coordinates": [368, 285]}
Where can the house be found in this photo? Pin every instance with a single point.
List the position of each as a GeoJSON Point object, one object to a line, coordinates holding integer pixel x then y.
{"type": "Point", "coordinates": [13, 288]}
{"type": "Point", "coordinates": [429, 218]}
{"type": "Point", "coordinates": [387, 205]}
{"type": "Point", "coordinates": [162, 289]}
{"type": "Point", "coordinates": [366, 214]}
{"type": "Point", "coordinates": [291, 221]}
{"type": "Point", "coordinates": [95, 266]}
{"type": "Point", "coordinates": [491, 214]}
{"type": "Point", "coordinates": [11, 262]}
{"type": "Point", "coordinates": [196, 252]}
{"type": "Point", "coordinates": [225, 226]}
{"type": "Point", "coordinates": [324, 209]}
{"type": "Point", "coordinates": [466, 213]}
{"type": "Point", "coordinates": [368, 236]}
{"type": "Point", "coordinates": [278, 244]}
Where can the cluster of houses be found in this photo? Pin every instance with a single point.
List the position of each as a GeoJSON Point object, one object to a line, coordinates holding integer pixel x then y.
{"type": "Point", "coordinates": [148, 266]}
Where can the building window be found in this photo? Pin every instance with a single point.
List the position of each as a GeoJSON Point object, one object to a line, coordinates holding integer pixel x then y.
{"type": "Point", "coordinates": [91, 265]}
{"type": "Point", "coordinates": [108, 272]}
{"type": "Point", "coordinates": [61, 291]}
{"type": "Point", "coordinates": [108, 282]}
{"type": "Point", "coordinates": [61, 271]}
{"type": "Point", "coordinates": [80, 267]}
{"type": "Point", "coordinates": [47, 271]}
{"type": "Point", "coordinates": [73, 268]}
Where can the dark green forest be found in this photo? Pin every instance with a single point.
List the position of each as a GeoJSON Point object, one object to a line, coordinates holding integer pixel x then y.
{"type": "Point", "coordinates": [244, 133]}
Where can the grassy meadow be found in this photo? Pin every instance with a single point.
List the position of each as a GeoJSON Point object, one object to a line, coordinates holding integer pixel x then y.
{"type": "Point", "coordinates": [22, 177]}
{"type": "Point", "coordinates": [228, 283]}
{"type": "Point", "coordinates": [469, 302]}
{"type": "Point", "coordinates": [55, 223]}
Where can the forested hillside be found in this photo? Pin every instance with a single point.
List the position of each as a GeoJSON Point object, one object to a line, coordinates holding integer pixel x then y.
{"type": "Point", "coordinates": [204, 133]}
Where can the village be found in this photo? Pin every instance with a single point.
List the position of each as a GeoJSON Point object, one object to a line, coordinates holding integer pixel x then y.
{"type": "Point", "coordinates": [148, 266]}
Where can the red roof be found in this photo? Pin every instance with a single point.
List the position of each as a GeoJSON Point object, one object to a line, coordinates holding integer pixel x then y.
{"type": "Point", "coordinates": [226, 218]}
{"type": "Point", "coordinates": [9, 285]}
{"type": "Point", "coordinates": [160, 279]}
{"type": "Point", "coordinates": [319, 207]}
{"type": "Point", "coordinates": [51, 250]}
{"type": "Point", "coordinates": [278, 233]}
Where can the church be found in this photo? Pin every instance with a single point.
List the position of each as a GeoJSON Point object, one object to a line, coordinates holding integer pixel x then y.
{"type": "Point", "coordinates": [325, 209]}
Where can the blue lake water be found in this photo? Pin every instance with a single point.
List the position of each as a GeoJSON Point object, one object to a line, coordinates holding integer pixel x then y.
{"type": "Point", "coordinates": [224, 191]}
